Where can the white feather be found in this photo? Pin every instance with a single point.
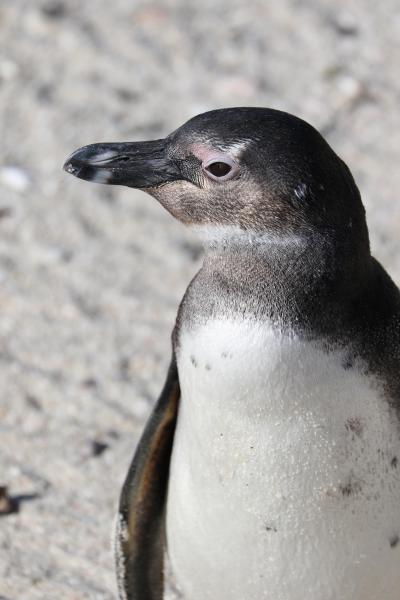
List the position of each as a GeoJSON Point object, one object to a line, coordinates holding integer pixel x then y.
{"type": "Point", "coordinates": [283, 483]}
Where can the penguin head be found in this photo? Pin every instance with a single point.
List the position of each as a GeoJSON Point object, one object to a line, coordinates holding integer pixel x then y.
{"type": "Point", "coordinates": [248, 169]}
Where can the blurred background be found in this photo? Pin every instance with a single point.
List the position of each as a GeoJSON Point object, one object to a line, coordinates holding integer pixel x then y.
{"type": "Point", "coordinates": [91, 276]}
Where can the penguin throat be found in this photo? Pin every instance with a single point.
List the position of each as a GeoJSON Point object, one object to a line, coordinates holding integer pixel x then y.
{"type": "Point", "coordinates": [289, 277]}
{"type": "Point", "coordinates": [222, 236]}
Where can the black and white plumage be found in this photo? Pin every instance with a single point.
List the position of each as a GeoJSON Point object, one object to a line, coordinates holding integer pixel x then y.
{"type": "Point", "coordinates": [270, 466]}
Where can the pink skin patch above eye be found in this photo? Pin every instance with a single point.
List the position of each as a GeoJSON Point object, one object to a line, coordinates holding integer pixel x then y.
{"type": "Point", "coordinates": [206, 154]}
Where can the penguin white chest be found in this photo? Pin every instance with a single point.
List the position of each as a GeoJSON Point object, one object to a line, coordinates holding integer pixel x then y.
{"type": "Point", "coordinates": [285, 472]}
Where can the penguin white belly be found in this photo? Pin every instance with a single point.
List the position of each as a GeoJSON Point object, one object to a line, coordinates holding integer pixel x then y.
{"type": "Point", "coordinates": [285, 473]}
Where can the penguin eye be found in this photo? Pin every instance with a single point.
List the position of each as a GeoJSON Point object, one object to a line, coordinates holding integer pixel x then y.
{"type": "Point", "coordinates": [217, 168]}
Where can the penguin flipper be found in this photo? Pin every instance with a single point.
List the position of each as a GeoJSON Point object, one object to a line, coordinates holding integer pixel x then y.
{"type": "Point", "coordinates": [140, 525]}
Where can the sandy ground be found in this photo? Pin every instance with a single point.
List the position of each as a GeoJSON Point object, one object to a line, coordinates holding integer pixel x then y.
{"type": "Point", "coordinates": [91, 276]}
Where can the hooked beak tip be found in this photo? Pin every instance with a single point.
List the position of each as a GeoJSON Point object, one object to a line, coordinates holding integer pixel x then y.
{"type": "Point", "coordinates": [87, 164]}
{"type": "Point", "coordinates": [69, 167]}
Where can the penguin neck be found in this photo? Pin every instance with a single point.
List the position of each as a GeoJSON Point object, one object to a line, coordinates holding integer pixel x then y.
{"type": "Point", "coordinates": [292, 278]}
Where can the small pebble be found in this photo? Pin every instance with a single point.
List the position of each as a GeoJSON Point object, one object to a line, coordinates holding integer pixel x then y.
{"type": "Point", "coordinates": [15, 178]}
{"type": "Point", "coordinates": [5, 211]}
{"type": "Point", "coordinates": [346, 24]}
{"type": "Point", "coordinates": [7, 504]}
{"type": "Point", "coordinates": [98, 447]}
{"type": "Point", "coordinates": [89, 382]}
{"type": "Point", "coordinates": [54, 9]}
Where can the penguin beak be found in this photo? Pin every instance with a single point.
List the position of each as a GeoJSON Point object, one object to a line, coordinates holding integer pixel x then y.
{"type": "Point", "coordinates": [134, 164]}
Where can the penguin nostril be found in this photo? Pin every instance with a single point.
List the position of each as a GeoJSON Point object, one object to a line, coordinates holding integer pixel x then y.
{"type": "Point", "coordinates": [219, 169]}
{"type": "Point", "coordinates": [123, 158]}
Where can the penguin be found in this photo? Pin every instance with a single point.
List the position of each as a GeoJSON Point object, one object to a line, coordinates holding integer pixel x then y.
{"type": "Point", "coordinates": [270, 466]}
